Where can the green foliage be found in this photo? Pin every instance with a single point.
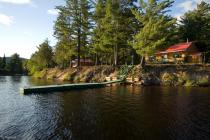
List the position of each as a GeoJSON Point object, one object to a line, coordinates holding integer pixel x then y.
{"type": "Point", "coordinates": [12, 65]}
{"type": "Point", "coordinates": [169, 79]}
{"type": "Point", "coordinates": [1, 63]}
{"type": "Point", "coordinates": [65, 47]}
{"type": "Point", "coordinates": [190, 83]}
{"type": "Point", "coordinates": [115, 25]}
{"type": "Point", "coordinates": [203, 81]}
{"type": "Point", "coordinates": [43, 58]}
{"type": "Point", "coordinates": [156, 28]}
{"type": "Point", "coordinates": [182, 78]}
{"type": "Point", "coordinates": [72, 29]}
{"type": "Point", "coordinates": [117, 32]}
{"type": "Point", "coordinates": [195, 27]}
{"type": "Point", "coordinates": [4, 63]}
{"type": "Point", "coordinates": [15, 64]}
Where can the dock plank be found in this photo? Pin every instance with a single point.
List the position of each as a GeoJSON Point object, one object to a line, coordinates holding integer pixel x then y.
{"type": "Point", "coordinates": [65, 87]}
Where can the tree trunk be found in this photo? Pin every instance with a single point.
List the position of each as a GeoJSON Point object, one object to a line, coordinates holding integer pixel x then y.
{"type": "Point", "coordinates": [78, 47]}
{"type": "Point", "coordinates": [204, 58]}
{"type": "Point", "coordinates": [115, 55]}
{"type": "Point", "coordinates": [96, 62]}
{"type": "Point", "coordinates": [79, 41]}
{"type": "Point", "coordinates": [70, 62]}
{"type": "Point", "coordinates": [84, 60]}
{"type": "Point", "coordinates": [142, 62]}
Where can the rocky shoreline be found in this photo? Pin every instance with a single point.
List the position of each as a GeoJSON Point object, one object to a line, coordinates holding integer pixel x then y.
{"type": "Point", "coordinates": [164, 75]}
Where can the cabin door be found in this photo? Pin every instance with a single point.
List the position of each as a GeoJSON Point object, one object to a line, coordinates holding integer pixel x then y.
{"type": "Point", "coordinates": [189, 59]}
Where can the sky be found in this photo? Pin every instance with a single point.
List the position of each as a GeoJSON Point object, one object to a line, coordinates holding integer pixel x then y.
{"type": "Point", "coordinates": [24, 24]}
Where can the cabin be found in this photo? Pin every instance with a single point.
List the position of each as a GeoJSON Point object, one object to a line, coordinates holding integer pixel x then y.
{"type": "Point", "coordinates": [83, 62]}
{"type": "Point", "coordinates": [178, 54]}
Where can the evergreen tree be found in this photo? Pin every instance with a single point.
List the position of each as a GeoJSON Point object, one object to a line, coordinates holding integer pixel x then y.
{"type": "Point", "coordinates": [45, 55]}
{"type": "Point", "coordinates": [114, 29]}
{"type": "Point", "coordinates": [195, 27]}
{"type": "Point", "coordinates": [74, 20]}
{"type": "Point", "coordinates": [15, 64]}
{"type": "Point", "coordinates": [97, 38]}
{"type": "Point", "coordinates": [43, 58]}
{"type": "Point", "coordinates": [32, 64]}
{"type": "Point", "coordinates": [156, 26]}
{"type": "Point", "coordinates": [1, 63]}
{"type": "Point", "coordinates": [65, 48]}
{"type": "Point", "coordinates": [80, 14]}
{"type": "Point", "coordinates": [4, 62]}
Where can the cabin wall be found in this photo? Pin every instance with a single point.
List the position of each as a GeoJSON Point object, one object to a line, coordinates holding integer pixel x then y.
{"type": "Point", "coordinates": [192, 49]}
{"type": "Point", "coordinates": [191, 55]}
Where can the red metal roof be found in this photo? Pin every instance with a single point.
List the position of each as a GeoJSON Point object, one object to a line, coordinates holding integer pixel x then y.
{"type": "Point", "coordinates": [177, 48]}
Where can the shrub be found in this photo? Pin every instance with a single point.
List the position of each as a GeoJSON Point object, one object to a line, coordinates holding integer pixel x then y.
{"type": "Point", "coordinates": [203, 81]}
{"type": "Point", "coordinates": [169, 79]}
{"type": "Point", "coordinates": [40, 74]}
{"type": "Point", "coordinates": [190, 83]}
{"type": "Point", "coordinates": [182, 78]}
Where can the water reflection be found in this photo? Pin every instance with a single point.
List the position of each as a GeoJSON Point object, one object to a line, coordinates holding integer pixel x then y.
{"type": "Point", "coordinates": [15, 79]}
{"type": "Point", "coordinates": [3, 79]}
{"type": "Point", "coordinates": [112, 113]}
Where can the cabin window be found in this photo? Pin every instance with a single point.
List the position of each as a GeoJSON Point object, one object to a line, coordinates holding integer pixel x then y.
{"type": "Point", "coordinates": [152, 58]}
{"type": "Point", "coordinates": [165, 56]}
{"type": "Point", "coordinates": [177, 55]}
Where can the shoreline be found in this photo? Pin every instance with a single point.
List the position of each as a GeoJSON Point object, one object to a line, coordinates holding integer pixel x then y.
{"type": "Point", "coordinates": [14, 75]}
{"type": "Point", "coordinates": [151, 75]}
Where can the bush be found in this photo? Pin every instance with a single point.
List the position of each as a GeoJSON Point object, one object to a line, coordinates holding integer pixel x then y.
{"type": "Point", "coordinates": [169, 79]}
{"type": "Point", "coordinates": [40, 74]}
{"type": "Point", "coordinates": [182, 78]}
{"type": "Point", "coordinates": [203, 81]}
{"type": "Point", "coordinates": [190, 83]}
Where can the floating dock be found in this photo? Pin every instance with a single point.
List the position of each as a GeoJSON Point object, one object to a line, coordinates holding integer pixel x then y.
{"type": "Point", "coordinates": [65, 87]}
{"type": "Point", "coordinates": [124, 70]}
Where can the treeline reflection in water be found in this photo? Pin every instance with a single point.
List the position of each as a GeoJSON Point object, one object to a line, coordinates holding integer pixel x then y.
{"type": "Point", "coordinates": [116, 112]}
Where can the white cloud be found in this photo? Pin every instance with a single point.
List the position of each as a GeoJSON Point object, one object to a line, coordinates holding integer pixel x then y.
{"type": "Point", "coordinates": [53, 12]}
{"type": "Point", "coordinates": [16, 1]}
{"type": "Point", "coordinates": [6, 20]}
{"type": "Point", "coordinates": [199, 1]}
{"type": "Point", "coordinates": [178, 16]}
{"type": "Point", "coordinates": [187, 5]}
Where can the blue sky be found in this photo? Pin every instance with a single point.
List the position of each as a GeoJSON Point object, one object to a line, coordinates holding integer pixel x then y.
{"type": "Point", "coordinates": [24, 24]}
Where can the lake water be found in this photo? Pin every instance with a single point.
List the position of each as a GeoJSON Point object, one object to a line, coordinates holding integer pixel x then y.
{"type": "Point", "coordinates": [111, 113]}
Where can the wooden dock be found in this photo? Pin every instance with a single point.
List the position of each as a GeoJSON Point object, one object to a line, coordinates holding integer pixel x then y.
{"type": "Point", "coordinates": [124, 70]}
{"type": "Point", "coordinates": [65, 87]}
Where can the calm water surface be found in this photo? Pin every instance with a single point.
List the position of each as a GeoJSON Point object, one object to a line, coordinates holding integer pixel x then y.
{"type": "Point", "coordinates": [111, 113]}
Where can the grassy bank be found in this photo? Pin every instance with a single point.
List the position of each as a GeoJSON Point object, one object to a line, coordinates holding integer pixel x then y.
{"type": "Point", "coordinates": [84, 74]}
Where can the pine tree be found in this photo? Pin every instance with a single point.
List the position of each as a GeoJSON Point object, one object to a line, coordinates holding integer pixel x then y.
{"type": "Point", "coordinates": [97, 38]}
{"type": "Point", "coordinates": [195, 27]}
{"type": "Point", "coordinates": [156, 26]}
{"type": "Point", "coordinates": [80, 14]}
{"type": "Point", "coordinates": [45, 55]}
{"type": "Point", "coordinates": [1, 63]}
{"type": "Point", "coordinates": [41, 59]}
{"type": "Point", "coordinates": [4, 62]}
{"type": "Point", "coordinates": [65, 47]}
{"type": "Point", "coordinates": [73, 26]}
{"type": "Point", "coordinates": [15, 64]}
{"type": "Point", "coordinates": [194, 24]}
{"type": "Point", "coordinates": [112, 33]}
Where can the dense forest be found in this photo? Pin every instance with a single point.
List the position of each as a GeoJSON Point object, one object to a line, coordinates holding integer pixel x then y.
{"type": "Point", "coordinates": [115, 32]}
{"type": "Point", "coordinates": [12, 65]}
